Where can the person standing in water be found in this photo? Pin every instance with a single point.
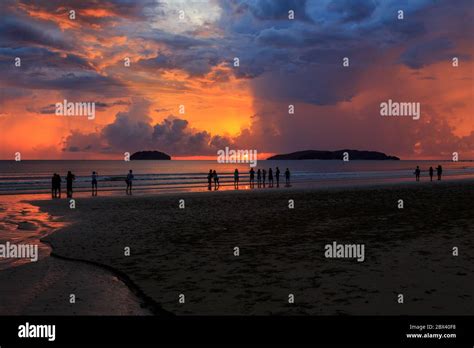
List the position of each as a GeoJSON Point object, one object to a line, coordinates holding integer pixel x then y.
{"type": "Point", "coordinates": [417, 173]}
{"type": "Point", "coordinates": [129, 181]}
{"type": "Point", "coordinates": [94, 184]}
{"type": "Point", "coordinates": [264, 177]}
{"type": "Point", "coordinates": [270, 177]}
{"type": "Point", "coordinates": [277, 176]}
{"type": "Point", "coordinates": [69, 179]}
{"type": "Point", "coordinates": [216, 180]}
{"type": "Point", "coordinates": [58, 184]}
{"type": "Point", "coordinates": [287, 177]}
{"type": "Point", "coordinates": [252, 178]}
{"type": "Point", "coordinates": [259, 178]}
{"type": "Point", "coordinates": [439, 171]}
{"type": "Point", "coordinates": [236, 179]}
{"type": "Point", "coordinates": [431, 173]}
{"type": "Point", "coordinates": [209, 180]}
{"type": "Point", "coordinates": [54, 187]}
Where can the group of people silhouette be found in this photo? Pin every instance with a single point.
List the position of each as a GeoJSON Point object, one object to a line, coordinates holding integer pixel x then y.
{"type": "Point", "coordinates": [261, 178]}
{"type": "Point", "coordinates": [211, 177]}
{"type": "Point", "coordinates": [56, 185]}
{"type": "Point", "coordinates": [439, 172]}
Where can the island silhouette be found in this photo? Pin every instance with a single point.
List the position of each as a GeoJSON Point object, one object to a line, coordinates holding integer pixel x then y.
{"type": "Point", "coordinates": [150, 155]}
{"type": "Point", "coordinates": [334, 155]}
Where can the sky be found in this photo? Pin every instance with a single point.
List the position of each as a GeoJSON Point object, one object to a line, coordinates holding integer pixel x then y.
{"type": "Point", "coordinates": [183, 94]}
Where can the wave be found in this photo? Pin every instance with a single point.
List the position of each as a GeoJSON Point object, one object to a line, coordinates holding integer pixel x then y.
{"type": "Point", "coordinates": [14, 183]}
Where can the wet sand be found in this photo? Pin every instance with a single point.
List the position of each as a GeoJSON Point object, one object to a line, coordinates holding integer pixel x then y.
{"type": "Point", "coordinates": [44, 288]}
{"type": "Point", "coordinates": [190, 251]}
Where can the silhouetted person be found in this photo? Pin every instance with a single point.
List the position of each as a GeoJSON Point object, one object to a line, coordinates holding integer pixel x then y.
{"type": "Point", "coordinates": [259, 178]}
{"type": "Point", "coordinates": [431, 173]}
{"type": "Point", "coordinates": [236, 178]}
{"type": "Point", "coordinates": [94, 183]}
{"type": "Point", "coordinates": [54, 186]}
{"type": "Point", "coordinates": [287, 177]}
{"type": "Point", "coordinates": [69, 179]}
{"type": "Point", "coordinates": [129, 181]}
{"type": "Point", "coordinates": [216, 180]}
{"type": "Point", "coordinates": [270, 177]}
{"type": "Point", "coordinates": [252, 178]}
{"type": "Point", "coordinates": [277, 176]}
{"type": "Point", "coordinates": [209, 180]}
{"type": "Point", "coordinates": [264, 177]}
{"type": "Point", "coordinates": [439, 171]}
{"type": "Point", "coordinates": [417, 173]}
{"type": "Point", "coordinates": [58, 184]}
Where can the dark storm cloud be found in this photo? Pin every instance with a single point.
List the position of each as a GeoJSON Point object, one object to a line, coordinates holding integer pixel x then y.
{"type": "Point", "coordinates": [350, 10]}
{"type": "Point", "coordinates": [177, 137]}
{"type": "Point", "coordinates": [42, 68]}
{"type": "Point", "coordinates": [99, 106]}
{"type": "Point", "coordinates": [90, 82]}
{"type": "Point", "coordinates": [78, 142]}
{"type": "Point", "coordinates": [132, 131]}
{"type": "Point", "coordinates": [271, 9]}
{"type": "Point", "coordinates": [174, 41]}
{"type": "Point", "coordinates": [195, 61]}
{"type": "Point", "coordinates": [18, 32]}
{"type": "Point", "coordinates": [34, 58]}
{"type": "Point", "coordinates": [426, 53]}
{"type": "Point", "coordinates": [173, 135]}
{"type": "Point", "coordinates": [330, 86]}
{"type": "Point", "coordinates": [125, 133]}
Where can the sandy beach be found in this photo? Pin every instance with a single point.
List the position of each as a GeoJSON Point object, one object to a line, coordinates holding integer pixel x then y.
{"type": "Point", "coordinates": [190, 251]}
{"type": "Point", "coordinates": [44, 288]}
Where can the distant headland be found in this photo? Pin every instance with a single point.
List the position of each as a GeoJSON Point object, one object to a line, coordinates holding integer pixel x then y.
{"type": "Point", "coordinates": [334, 155]}
{"type": "Point", "coordinates": [150, 155]}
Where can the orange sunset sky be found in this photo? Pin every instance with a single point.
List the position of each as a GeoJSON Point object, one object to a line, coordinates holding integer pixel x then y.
{"type": "Point", "coordinates": [182, 53]}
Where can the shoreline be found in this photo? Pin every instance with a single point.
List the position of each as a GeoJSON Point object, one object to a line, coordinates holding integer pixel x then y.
{"type": "Point", "coordinates": [146, 301]}
{"type": "Point", "coordinates": [227, 186]}
{"type": "Point", "coordinates": [77, 229]}
{"type": "Point", "coordinates": [44, 288]}
{"type": "Point", "coordinates": [52, 276]}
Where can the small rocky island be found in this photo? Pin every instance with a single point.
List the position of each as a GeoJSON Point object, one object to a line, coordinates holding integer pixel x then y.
{"type": "Point", "coordinates": [150, 155]}
{"type": "Point", "coordinates": [334, 155]}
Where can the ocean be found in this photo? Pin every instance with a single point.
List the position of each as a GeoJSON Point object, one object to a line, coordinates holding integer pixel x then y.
{"type": "Point", "coordinates": [31, 177]}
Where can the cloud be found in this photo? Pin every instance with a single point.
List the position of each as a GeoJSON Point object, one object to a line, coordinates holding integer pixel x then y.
{"type": "Point", "coordinates": [270, 9]}
{"type": "Point", "coordinates": [352, 11]}
{"type": "Point", "coordinates": [282, 62]}
{"type": "Point", "coordinates": [77, 141]}
{"type": "Point", "coordinates": [133, 131]}
{"type": "Point", "coordinates": [99, 106]}
{"type": "Point", "coordinates": [425, 53]}
{"type": "Point", "coordinates": [175, 135]}
{"type": "Point", "coordinates": [16, 31]}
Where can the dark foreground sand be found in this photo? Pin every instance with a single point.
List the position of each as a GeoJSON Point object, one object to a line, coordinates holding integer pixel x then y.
{"type": "Point", "coordinates": [44, 288]}
{"type": "Point", "coordinates": [190, 251]}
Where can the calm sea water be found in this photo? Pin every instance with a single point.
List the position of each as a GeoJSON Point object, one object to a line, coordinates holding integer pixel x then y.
{"type": "Point", "coordinates": [35, 176]}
